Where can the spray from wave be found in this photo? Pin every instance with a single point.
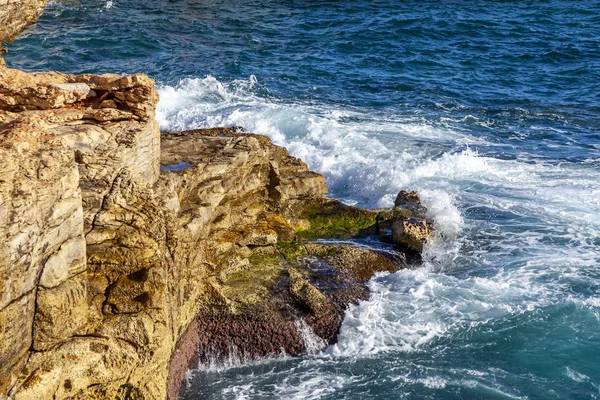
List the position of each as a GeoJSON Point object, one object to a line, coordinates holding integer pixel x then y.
{"type": "Point", "coordinates": [511, 237]}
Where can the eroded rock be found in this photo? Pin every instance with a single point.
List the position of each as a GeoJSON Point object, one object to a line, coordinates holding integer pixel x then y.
{"type": "Point", "coordinates": [410, 227]}
{"type": "Point", "coordinates": [16, 15]}
{"type": "Point", "coordinates": [411, 233]}
{"type": "Point", "coordinates": [122, 275]}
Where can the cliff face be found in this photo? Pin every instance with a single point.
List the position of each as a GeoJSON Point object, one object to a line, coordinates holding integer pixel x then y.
{"type": "Point", "coordinates": [106, 258]}
{"type": "Point", "coordinates": [126, 257]}
{"type": "Point", "coordinates": [63, 145]}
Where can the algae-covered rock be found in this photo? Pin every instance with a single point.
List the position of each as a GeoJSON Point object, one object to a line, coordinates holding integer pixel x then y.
{"type": "Point", "coordinates": [328, 218]}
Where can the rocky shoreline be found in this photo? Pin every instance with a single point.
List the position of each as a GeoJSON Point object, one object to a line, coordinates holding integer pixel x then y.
{"type": "Point", "coordinates": [128, 256]}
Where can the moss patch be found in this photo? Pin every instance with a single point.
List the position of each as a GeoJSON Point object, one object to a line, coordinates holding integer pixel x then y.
{"type": "Point", "coordinates": [291, 251]}
{"type": "Point", "coordinates": [249, 286]}
{"type": "Point", "coordinates": [337, 220]}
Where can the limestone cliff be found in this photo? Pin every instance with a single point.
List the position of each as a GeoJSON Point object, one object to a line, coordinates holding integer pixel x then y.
{"type": "Point", "coordinates": [106, 258]}
{"type": "Point", "coordinates": [128, 256]}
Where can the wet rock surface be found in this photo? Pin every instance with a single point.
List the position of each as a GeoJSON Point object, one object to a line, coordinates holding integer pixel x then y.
{"type": "Point", "coordinates": [261, 311]}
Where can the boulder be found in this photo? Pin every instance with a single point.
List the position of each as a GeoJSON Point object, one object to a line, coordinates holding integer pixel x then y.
{"type": "Point", "coordinates": [410, 233]}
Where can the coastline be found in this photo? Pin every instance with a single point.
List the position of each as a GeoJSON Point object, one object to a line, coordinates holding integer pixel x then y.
{"type": "Point", "coordinates": [127, 249]}
{"type": "Point", "coordinates": [490, 113]}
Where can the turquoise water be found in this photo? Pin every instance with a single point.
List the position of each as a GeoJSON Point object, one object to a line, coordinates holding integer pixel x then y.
{"type": "Point", "coordinates": [490, 109]}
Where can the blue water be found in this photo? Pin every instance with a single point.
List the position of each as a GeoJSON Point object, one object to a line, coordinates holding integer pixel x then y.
{"type": "Point", "coordinates": [490, 109]}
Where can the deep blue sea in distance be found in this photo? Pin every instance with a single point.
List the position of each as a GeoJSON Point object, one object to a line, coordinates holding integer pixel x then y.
{"type": "Point", "coordinates": [491, 109]}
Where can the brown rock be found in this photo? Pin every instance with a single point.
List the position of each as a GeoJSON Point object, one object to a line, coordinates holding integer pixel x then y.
{"type": "Point", "coordinates": [410, 202]}
{"type": "Point", "coordinates": [16, 15]}
{"type": "Point", "coordinates": [308, 296]}
{"type": "Point", "coordinates": [410, 233]}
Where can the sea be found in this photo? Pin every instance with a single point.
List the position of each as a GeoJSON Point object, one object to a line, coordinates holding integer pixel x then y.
{"type": "Point", "coordinates": [490, 109]}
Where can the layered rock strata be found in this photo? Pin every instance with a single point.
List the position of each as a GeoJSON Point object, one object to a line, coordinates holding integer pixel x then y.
{"type": "Point", "coordinates": [69, 147]}
{"type": "Point", "coordinates": [125, 252]}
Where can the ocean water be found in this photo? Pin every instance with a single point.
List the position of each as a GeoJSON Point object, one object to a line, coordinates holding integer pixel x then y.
{"type": "Point", "coordinates": [490, 109]}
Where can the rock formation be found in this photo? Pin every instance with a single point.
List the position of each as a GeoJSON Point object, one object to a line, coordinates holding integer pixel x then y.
{"type": "Point", "coordinates": [127, 257]}
{"type": "Point", "coordinates": [410, 227]}
{"type": "Point", "coordinates": [121, 246]}
{"type": "Point", "coordinates": [15, 16]}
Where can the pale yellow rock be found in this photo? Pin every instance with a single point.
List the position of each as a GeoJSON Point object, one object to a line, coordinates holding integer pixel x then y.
{"type": "Point", "coordinates": [16, 320]}
{"type": "Point", "coordinates": [68, 260]}
{"type": "Point", "coordinates": [308, 295]}
{"type": "Point", "coordinates": [60, 312]}
{"type": "Point", "coordinates": [107, 259]}
{"type": "Point", "coordinates": [16, 15]}
{"type": "Point", "coordinates": [411, 233]}
{"type": "Point", "coordinates": [75, 366]}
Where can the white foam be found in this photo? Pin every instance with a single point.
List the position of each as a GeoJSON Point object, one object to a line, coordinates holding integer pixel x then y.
{"type": "Point", "coordinates": [312, 342]}
{"type": "Point", "coordinates": [530, 227]}
{"type": "Point", "coordinates": [576, 376]}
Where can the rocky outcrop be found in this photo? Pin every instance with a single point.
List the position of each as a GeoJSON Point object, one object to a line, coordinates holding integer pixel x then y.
{"type": "Point", "coordinates": [15, 16]}
{"type": "Point", "coordinates": [406, 225]}
{"type": "Point", "coordinates": [128, 256]}
{"type": "Point", "coordinates": [266, 310]}
{"type": "Point", "coordinates": [68, 146]}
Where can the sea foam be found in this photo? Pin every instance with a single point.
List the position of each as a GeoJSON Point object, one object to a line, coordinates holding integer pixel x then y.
{"type": "Point", "coordinates": [512, 235]}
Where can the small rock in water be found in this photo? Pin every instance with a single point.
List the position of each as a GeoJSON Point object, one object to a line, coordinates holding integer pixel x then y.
{"type": "Point", "coordinates": [410, 229]}
{"type": "Point", "coordinates": [410, 201]}
{"type": "Point", "coordinates": [411, 233]}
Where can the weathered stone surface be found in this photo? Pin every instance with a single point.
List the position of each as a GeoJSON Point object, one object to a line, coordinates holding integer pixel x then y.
{"type": "Point", "coordinates": [410, 228]}
{"type": "Point", "coordinates": [60, 312]}
{"type": "Point", "coordinates": [410, 201]}
{"type": "Point", "coordinates": [76, 368]}
{"type": "Point", "coordinates": [411, 233]}
{"type": "Point", "coordinates": [114, 266]}
{"type": "Point", "coordinates": [307, 295]}
{"type": "Point", "coordinates": [16, 15]}
{"type": "Point", "coordinates": [68, 160]}
{"type": "Point", "coordinates": [102, 244]}
{"type": "Point", "coordinates": [68, 260]}
{"type": "Point", "coordinates": [16, 320]}
{"type": "Point", "coordinates": [40, 212]}
{"type": "Point", "coordinates": [259, 311]}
